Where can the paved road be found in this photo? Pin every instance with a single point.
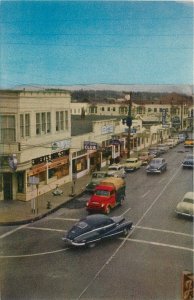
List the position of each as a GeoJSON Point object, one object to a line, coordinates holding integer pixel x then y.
{"type": "Point", "coordinates": [148, 264]}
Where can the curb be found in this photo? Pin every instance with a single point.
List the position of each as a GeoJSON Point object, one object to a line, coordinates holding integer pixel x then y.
{"type": "Point", "coordinates": [40, 216]}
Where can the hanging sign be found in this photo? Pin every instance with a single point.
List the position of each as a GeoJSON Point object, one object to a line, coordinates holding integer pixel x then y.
{"type": "Point", "coordinates": [90, 145]}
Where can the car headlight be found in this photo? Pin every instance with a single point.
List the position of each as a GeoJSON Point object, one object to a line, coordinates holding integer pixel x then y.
{"type": "Point", "coordinates": [87, 204]}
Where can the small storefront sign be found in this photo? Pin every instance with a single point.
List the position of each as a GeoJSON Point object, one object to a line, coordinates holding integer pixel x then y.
{"type": "Point", "coordinates": [61, 145]}
{"type": "Point", "coordinates": [90, 145]}
{"type": "Point", "coordinates": [106, 129]}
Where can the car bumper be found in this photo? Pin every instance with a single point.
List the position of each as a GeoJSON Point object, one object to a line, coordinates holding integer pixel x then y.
{"type": "Point", "coordinates": [153, 171]}
{"type": "Point", "coordinates": [187, 166]}
{"type": "Point", "coordinates": [186, 214]}
{"type": "Point", "coordinates": [72, 243]}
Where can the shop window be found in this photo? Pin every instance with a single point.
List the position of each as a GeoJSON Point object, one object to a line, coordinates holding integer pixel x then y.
{"type": "Point", "coordinates": [7, 129]}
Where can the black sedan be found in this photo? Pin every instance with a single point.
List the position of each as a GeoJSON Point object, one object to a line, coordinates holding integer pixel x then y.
{"type": "Point", "coordinates": [157, 165]}
{"type": "Point", "coordinates": [94, 228]}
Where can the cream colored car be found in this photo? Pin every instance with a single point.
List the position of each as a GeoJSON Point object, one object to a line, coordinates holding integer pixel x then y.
{"type": "Point", "coordinates": [186, 206]}
{"type": "Point", "coordinates": [132, 164]}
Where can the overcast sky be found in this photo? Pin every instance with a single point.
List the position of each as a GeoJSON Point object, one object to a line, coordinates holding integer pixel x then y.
{"type": "Point", "coordinates": [87, 42]}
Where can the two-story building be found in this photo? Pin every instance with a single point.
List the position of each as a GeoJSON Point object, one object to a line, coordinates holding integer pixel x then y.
{"type": "Point", "coordinates": [35, 141]}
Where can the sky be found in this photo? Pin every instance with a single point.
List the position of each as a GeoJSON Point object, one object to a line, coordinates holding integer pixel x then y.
{"type": "Point", "coordinates": [94, 42]}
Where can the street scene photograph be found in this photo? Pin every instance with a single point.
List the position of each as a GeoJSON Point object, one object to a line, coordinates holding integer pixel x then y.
{"type": "Point", "coordinates": [96, 150]}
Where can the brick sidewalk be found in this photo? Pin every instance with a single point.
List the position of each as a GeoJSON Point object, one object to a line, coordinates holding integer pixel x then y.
{"type": "Point", "coordinates": [19, 212]}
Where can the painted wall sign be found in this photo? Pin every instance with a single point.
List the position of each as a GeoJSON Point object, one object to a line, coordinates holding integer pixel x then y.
{"type": "Point", "coordinates": [61, 145]}
{"type": "Point", "coordinates": [107, 129]}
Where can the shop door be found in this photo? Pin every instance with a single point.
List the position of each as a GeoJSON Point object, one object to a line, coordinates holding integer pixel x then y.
{"type": "Point", "coordinates": [7, 184]}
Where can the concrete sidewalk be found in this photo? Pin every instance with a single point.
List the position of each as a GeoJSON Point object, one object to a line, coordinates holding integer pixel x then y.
{"type": "Point", "coordinates": [19, 212]}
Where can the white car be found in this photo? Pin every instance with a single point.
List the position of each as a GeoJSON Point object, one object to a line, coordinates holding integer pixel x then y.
{"type": "Point", "coordinates": [186, 206]}
{"type": "Point", "coordinates": [116, 170]}
{"type": "Point", "coordinates": [171, 143]}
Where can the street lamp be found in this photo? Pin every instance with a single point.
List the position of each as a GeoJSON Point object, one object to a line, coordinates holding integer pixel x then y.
{"type": "Point", "coordinates": [128, 122]}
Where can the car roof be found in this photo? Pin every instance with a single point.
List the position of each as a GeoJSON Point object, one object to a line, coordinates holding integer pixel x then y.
{"type": "Point", "coordinates": [189, 195]}
{"type": "Point", "coordinates": [95, 219]}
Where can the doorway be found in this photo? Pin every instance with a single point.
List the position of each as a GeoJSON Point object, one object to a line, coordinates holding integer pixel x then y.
{"type": "Point", "coordinates": [7, 186]}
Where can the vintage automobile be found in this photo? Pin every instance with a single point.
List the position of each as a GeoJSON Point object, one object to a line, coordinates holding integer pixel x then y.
{"type": "Point", "coordinates": [116, 170]}
{"type": "Point", "coordinates": [132, 164]}
{"type": "Point", "coordinates": [171, 143]}
{"type": "Point", "coordinates": [188, 161]}
{"type": "Point", "coordinates": [163, 148]}
{"type": "Point", "coordinates": [95, 180]}
{"type": "Point", "coordinates": [157, 165]}
{"type": "Point", "coordinates": [95, 228]}
{"type": "Point", "coordinates": [186, 206]}
{"type": "Point", "coordinates": [108, 194]}
{"type": "Point", "coordinates": [189, 142]}
{"type": "Point", "coordinates": [154, 151]}
{"type": "Point", "coordinates": [146, 157]}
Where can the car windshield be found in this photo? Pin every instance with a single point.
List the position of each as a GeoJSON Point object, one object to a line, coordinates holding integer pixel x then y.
{"type": "Point", "coordinates": [155, 162]}
{"type": "Point", "coordinates": [188, 200]}
{"type": "Point", "coordinates": [98, 175]}
{"type": "Point", "coordinates": [102, 193]}
{"type": "Point", "coordinates": [189, 157]}
{"type": "Point", "coordinates": [112, 168]}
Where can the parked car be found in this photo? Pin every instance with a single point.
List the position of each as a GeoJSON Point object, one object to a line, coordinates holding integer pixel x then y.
{"type": "Point", "coordinates": [95, 228]}
{"type": "Point", "coordinates": [163, 148]}
{"type": "Point", "coordinates": [108, 194]}
{"type": "Point", "coordinates": [116, 170]}
{"type": "Point", "coordinates": [145, 157]}
{"type": "Point", "coordinates": [181, 137]}
{"type": "Point", "coordinates": [157, 165]}
{"type": "Point", "coordinates": [95, 180]}
{"type": "Point", "coordinates": [171, 143]}
{"type": "Point", "coordinates": [188, 161]}
{"type": "Point", "coordinates": [186, 206]}
{"type": "Point", "coordinates": [132, 164]}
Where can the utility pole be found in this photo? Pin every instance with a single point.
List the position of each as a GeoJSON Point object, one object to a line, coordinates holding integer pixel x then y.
{"type": "Point", "coordinates": [128, 122]}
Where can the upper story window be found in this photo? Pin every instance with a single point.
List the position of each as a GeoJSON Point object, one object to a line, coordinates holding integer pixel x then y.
{"type": "Point", "coordinates": [102, 108]}
{"type": "Point", "coordinates": [7, 128]}
{"type": "Point", "coordinates": [108, 108]}
{"type": "Point", "coordinates": [113, 109]}
{"type": "Point", "coordinates": [149, 109]}
{"type": "Point", "coordinates": [59, 120]}
{"type": "Point", "coordinates": [66, 120]}
{"type": "Point", "coordinates": [24, 125]}
{"type": "Point", "coordinates": [155, 109]}
{"type": "Point", "coordinates": [43, 123]}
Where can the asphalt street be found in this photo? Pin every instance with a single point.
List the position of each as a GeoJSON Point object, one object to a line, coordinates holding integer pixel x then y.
{"type": "Point", "coordinates": [147, 264]}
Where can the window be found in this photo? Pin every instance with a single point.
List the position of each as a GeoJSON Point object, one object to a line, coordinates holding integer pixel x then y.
{"type": "Point", "coordinates": [149, 109]}
{"type": "Point", "coordinates": [113, 109]}
{"type": "Point", "coordinates": [43, 123]}
{"type": "Point", "coordinates": [102, 108]}
{"type": "Point", "coordinates": [59, 120]}
{"type": "Point", "coordinates": [48, 119]}
{"type": "Point", "coordinates": [38, 124]}
{"type": "Point", "coordinates": [7, 128]}
{"type": "Point", "coordinates": [24, 125]}
{"type": "Point", "coordinates": [66, 120]}
{"type": "Point", "coordinates": [155, 109]}
{"type": "Point", "coordinates": [108, 108]}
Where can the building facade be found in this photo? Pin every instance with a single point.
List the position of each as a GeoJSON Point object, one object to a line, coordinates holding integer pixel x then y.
{"type": "Point", "coordinates": [35, 141]}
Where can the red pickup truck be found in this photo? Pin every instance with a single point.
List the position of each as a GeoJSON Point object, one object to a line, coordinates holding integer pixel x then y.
{"type": "Point", "coordinates": [108, 194]}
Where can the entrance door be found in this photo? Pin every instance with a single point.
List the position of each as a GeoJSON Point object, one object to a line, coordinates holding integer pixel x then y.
{"type": "Point", "coordinates": [7, 186]}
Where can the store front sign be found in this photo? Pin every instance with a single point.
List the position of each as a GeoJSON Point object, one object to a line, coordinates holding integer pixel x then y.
{"type": "Point", "coordinates": [61, 145]}
{"type": "Point", "coordinates": [106, 129]}
{"type": "Point", "coordinates": [90, 145]}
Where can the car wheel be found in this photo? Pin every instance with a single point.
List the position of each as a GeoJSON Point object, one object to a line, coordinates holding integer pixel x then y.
{"type": "Point", "coordinates": [125, 231]}
{"type": "Point", "coordinates": [108, 210]}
